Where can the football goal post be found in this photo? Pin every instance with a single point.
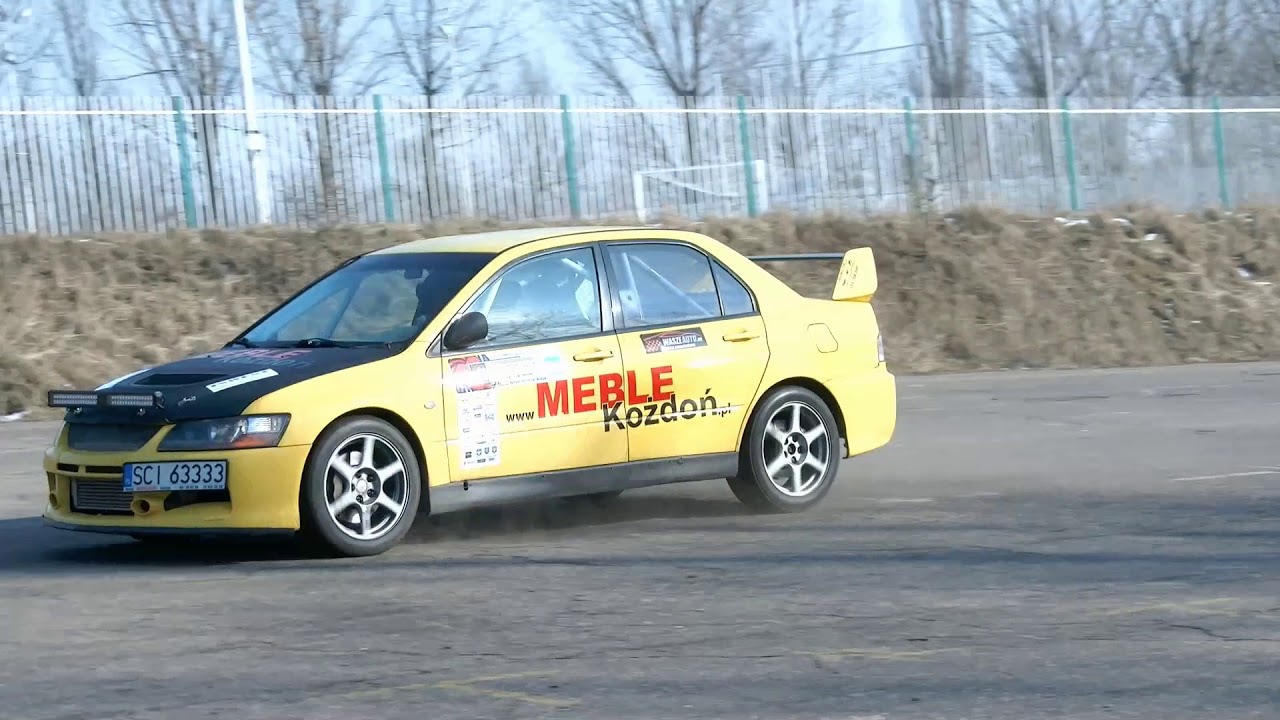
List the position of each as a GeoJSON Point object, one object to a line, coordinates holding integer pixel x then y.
{"type": "Point", "coordinates": [698, 190]}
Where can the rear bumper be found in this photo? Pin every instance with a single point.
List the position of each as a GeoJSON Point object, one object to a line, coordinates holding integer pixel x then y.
{"type": "Point", "coordinates": [869, 403]}
{"type": "Point", "coordinates": [261, 493]}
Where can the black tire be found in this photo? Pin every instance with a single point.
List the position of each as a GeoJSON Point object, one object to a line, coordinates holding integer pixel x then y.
{"type": "Point", "coordinates": [752, 485]}
{"type": "Point", "coordinates": [320, 532]}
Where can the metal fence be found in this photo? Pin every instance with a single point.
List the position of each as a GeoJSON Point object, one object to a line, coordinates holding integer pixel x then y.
{"type": "Point", "coordinates": [148, 164]}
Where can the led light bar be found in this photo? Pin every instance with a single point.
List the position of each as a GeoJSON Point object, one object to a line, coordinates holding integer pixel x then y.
{"type": "Point", "coordinates": [86, 399]}
{"type": "Point", "coordinates": [72, 399]}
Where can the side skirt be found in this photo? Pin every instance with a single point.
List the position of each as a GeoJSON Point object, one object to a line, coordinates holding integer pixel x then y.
{"type": "Point", "coordinates": [470, 494]}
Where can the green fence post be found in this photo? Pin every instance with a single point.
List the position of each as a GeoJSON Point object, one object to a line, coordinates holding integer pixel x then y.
{"type": "Point", "coordinates": [909, 118]}
{"type": "Point", "coordinates": [1070, 151]}
{"type": "Point", "coordinates": [384, 163]}
{"type": "Point", "coordinates": [1220, 150]}
{"type": "Point", "coordinates": [184, 162]}
{"type": "Point", "coordinates": [570, 163]}
{"type": "Point", "coordinates": [748, 165]}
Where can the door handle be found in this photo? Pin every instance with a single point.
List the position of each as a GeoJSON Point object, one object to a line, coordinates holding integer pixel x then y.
{"type": "Point", "coordinates": [741, 336]}
{"type": "Point", "coordinates": [593, 356]}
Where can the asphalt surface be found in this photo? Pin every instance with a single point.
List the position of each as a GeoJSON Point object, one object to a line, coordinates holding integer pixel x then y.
{"type": "Point", "coordinates": [1032, 545]}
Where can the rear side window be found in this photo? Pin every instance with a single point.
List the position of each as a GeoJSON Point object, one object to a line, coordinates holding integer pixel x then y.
{"type": "Point", "coordinates": [734, 298]}
{"type": "Point", "coordinates": [663, 284]}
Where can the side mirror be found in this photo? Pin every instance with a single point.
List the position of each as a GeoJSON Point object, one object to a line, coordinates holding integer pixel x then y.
{"type": "Point", "coordinates": [466, 330]}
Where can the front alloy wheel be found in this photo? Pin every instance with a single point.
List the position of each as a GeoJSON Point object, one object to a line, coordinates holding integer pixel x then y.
{"type": "Point", "coordinates": [361, 490]}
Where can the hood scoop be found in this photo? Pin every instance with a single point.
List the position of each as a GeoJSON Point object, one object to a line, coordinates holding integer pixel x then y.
{"type": "Point", "coordinates": [178, 379]}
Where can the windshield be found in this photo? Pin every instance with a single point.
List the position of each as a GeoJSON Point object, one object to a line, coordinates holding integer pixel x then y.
{"type": "Point", "coordinates": [376, 299]}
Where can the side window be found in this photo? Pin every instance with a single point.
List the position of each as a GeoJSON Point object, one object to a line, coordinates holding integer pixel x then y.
{"type": "Point", "coordinates": [734, 298]}
{"type": "Point", "coordinates": [543, 299]}
{"type": "Point", "coordinates": [661, 284]}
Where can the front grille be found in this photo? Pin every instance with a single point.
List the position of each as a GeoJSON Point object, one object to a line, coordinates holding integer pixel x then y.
{"type": "Point", "coordinates": [94, 437]}
{"type": "Point", "coordinates": [100, 497]}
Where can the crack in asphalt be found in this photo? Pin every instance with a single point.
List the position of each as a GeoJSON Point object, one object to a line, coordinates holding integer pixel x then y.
{"type": "Point", "coordinates": [1219, 636]}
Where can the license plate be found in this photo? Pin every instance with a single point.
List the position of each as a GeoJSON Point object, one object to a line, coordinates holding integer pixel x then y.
{"type": "Point", "coordinates": [182, 475]}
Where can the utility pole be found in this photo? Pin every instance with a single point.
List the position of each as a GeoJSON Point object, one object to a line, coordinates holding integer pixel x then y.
{"type": "Point", "coordinates": [253, 138]}
{"type": "Point", "coordinates": [1046, 57]}
{"type": "Point", "coordinates": [794, 26]}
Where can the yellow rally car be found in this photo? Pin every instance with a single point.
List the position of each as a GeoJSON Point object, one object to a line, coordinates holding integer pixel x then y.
{"type": "Point", "coordinates": [470, 370]}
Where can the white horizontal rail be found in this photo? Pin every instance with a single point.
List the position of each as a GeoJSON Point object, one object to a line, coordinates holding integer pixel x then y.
{"type": "Point", "coordinates": [652, 111]}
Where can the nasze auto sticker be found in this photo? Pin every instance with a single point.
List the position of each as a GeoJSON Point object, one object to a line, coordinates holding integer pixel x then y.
{"type": "Point", "coordinates": [615, 391]}
{"type": "Point", "coordinates": [673, 340]}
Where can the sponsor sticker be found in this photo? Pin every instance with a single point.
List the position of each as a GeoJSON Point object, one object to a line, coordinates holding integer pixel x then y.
{"type": "Point", "coordinates": [673, 340]}
{"type": "Point", "coordinates": [486, 371]}
{"type": "Point", "coordinates": [480, 452]}
{"type": "Point", "coordinates": [478, 427]}
{"type": "Point", "coordinates": [260, 356]}
{"type": "Point", "coordinates": [241, 380]}
{"type": "Point", "coordinates": [470, 374]}
{"type": "Point", "coordinates": [647, 401]}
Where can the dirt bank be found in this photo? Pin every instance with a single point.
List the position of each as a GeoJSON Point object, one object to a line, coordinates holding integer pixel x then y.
{"type": "Point", "coordinates": [974, 290]}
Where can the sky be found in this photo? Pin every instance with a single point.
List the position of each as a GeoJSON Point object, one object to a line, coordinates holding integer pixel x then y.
{"type": "Point", "coordinates": [558, 62]}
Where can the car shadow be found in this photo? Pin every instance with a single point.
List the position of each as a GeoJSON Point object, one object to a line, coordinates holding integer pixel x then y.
{"type": "Point", "coordinates": [571, 516]}
{"type": "Point", "coordinates": [27, 546]}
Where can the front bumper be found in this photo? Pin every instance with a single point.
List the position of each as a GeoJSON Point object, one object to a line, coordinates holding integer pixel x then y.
{"type": "Point", "coordinates": [261, 492]}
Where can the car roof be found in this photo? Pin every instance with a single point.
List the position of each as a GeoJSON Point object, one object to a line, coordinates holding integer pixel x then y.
{"type": "Point", "coordinates": [496, 241]}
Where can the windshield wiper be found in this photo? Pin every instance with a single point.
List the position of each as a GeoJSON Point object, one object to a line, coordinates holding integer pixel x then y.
{"type": "Point", "coordinates": [242, 342]}
{"type": "Point", "coordinates": [319, 342]}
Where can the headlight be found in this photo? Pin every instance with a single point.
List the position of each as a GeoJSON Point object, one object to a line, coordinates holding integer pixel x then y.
{"type": "Point", "coordinates": [249, 431]}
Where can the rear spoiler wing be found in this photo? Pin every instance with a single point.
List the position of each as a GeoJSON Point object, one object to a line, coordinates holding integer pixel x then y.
{"type": "Point", "coordinates": [857, 280]}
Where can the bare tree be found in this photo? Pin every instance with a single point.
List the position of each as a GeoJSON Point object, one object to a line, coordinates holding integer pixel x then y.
{"type": "Point", "coordinates": [677, 46]}
{"type": "Point", "coordinates": [1254, 67]}
{"type": "Point", "coordinates": [24, 39]}
{"type": "Point", "coordinates": [822, 36]}
{"type": "Point", "coordinates": [190, 47]}
{"type": "Point", "coordinates": [942, 26]}
{"type": "Point", "coordinates": [1079, 38]}
{"type": "Point", "coordinates": [318, 48]}
{"type": "Point", "coordinates": [451, 46]}
{"type": "Point", "coordinates": [454, 45]}
{"type": "Point", "coordinates": [1196, 39]}
{"type": "Point", "coordinates": [80, 46]}
{"type": "Point", "coordinates": [80, 63]}
{"type": "Point", "coordinates": [532, 77]}
{"type": "Point", "coordinates": [674, 48]}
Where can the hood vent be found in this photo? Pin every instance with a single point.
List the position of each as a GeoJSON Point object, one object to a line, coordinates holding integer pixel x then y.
{"type": "Point", "coordinates": [177, 379]}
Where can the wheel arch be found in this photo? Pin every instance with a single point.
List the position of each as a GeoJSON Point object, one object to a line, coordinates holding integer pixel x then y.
{"type": "Point", "coordinates": [810, 384]}
{"type": "Point", "coordinates": [400, 424]}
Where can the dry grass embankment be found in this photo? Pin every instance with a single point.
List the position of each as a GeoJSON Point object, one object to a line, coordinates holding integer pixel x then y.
{"type": "Point", "coordinates": [973, 290]}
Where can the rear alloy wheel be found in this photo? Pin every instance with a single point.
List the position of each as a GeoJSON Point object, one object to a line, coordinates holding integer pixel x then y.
{"type": "Point", "coordinates": [361, 488]}
{"type": "Point", "coordinates": [790, 453]}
